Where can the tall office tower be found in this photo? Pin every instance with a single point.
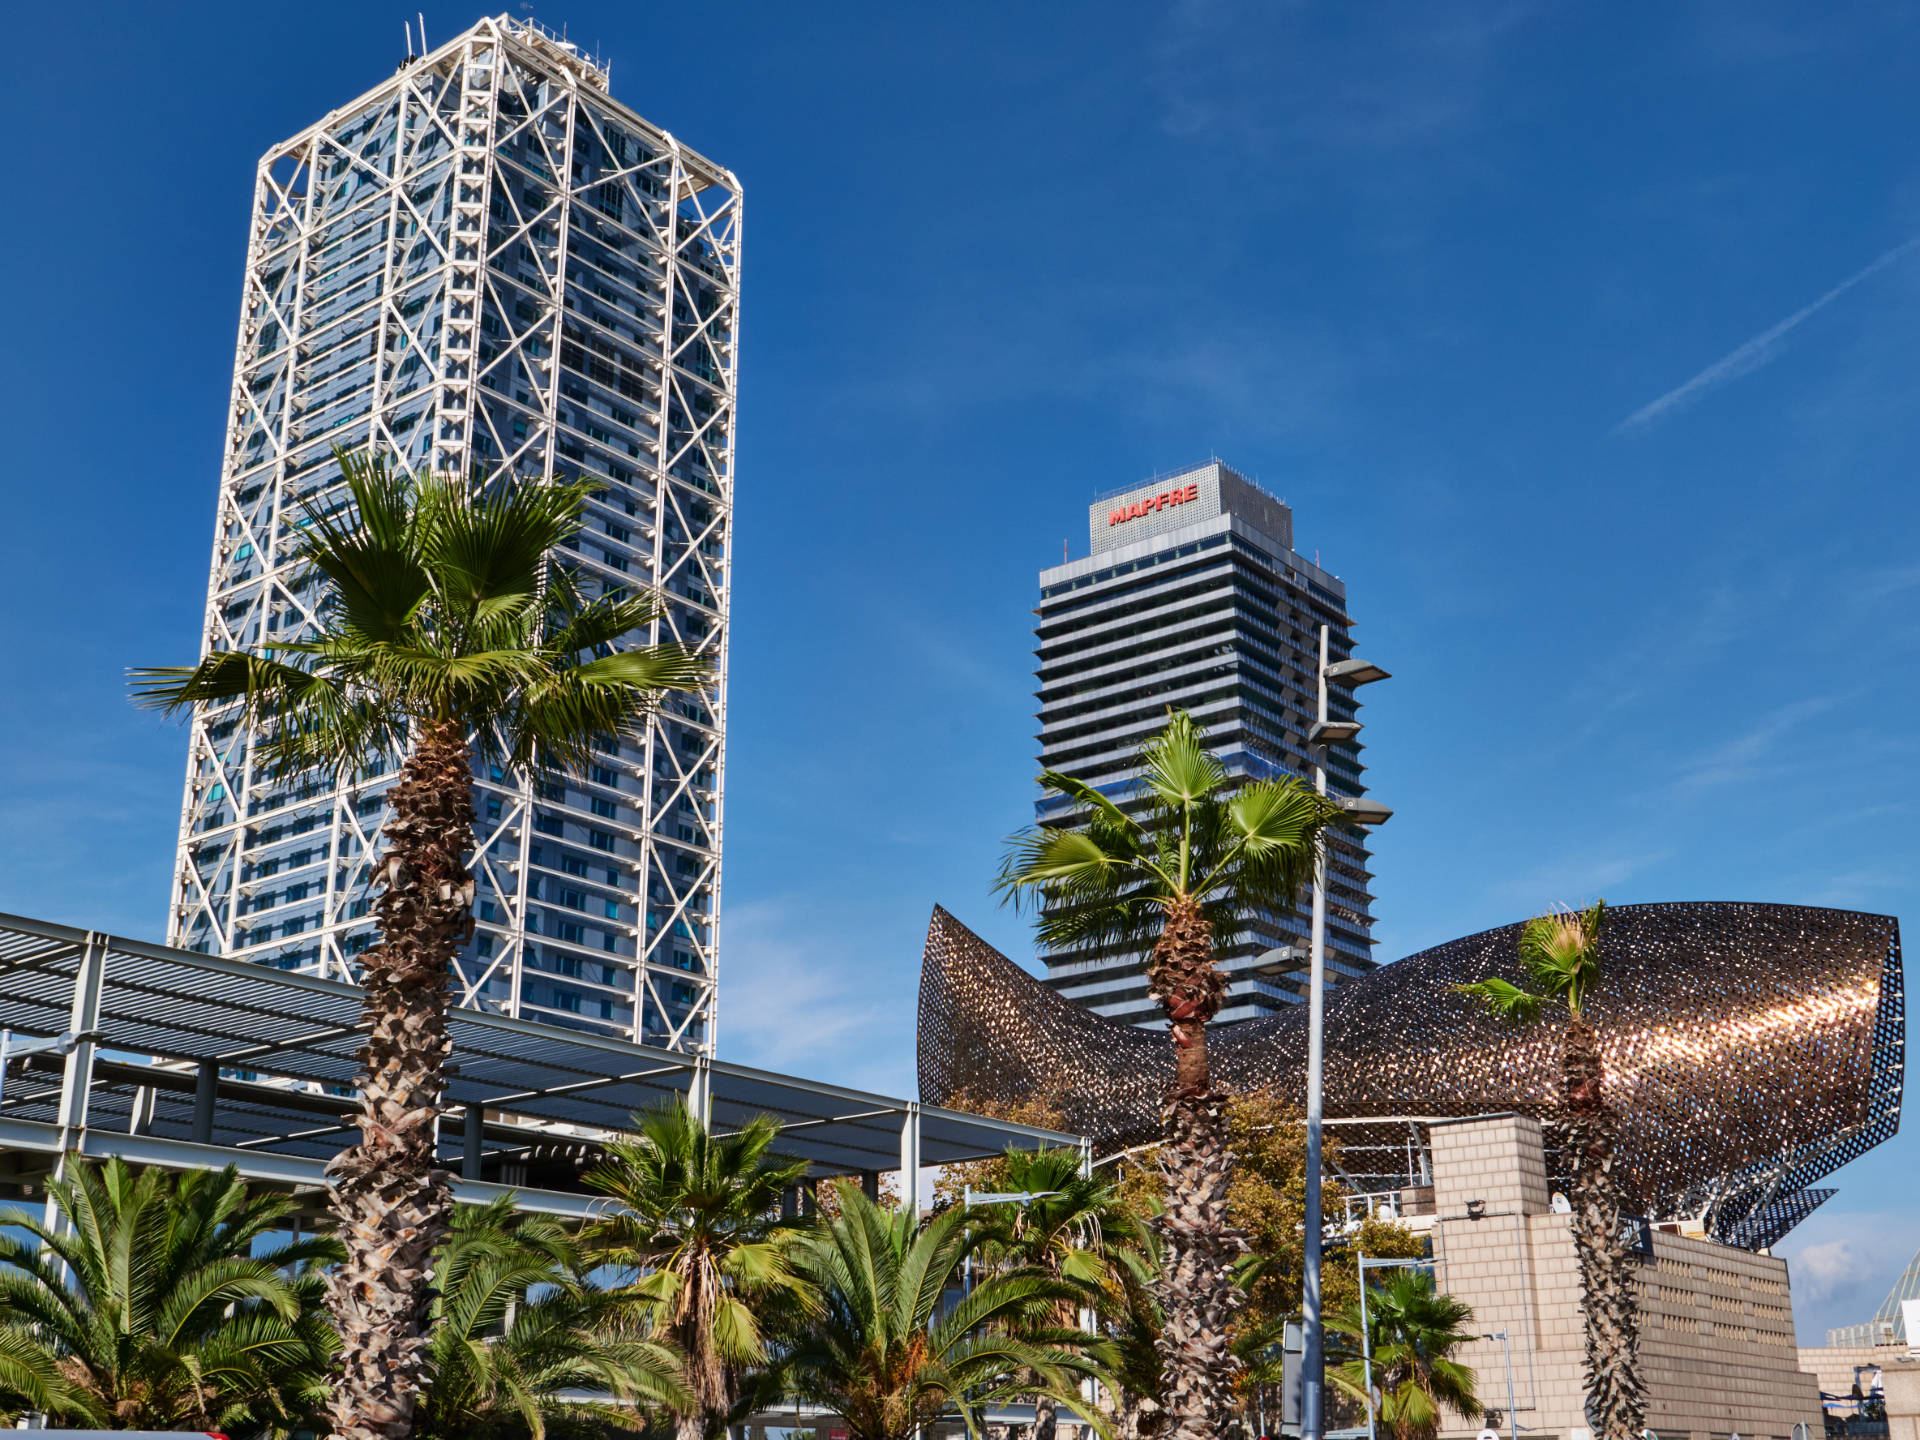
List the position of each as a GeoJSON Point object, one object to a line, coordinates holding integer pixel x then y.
{"type": "Point", "coordinates": [1194, 598]}
{"type": "Point", "coordinates": [488, 262]}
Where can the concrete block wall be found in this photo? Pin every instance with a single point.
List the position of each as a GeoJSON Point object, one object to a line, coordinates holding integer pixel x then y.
{"type": "Point", "coordinates": [1835, 1367]}
{"type": "Point", "coordinates": [1901, 1380]}
{"type": "Point", "coordinates": [1500, 1161]}
{"type": "Point", "coordinates": [1717, 1352]}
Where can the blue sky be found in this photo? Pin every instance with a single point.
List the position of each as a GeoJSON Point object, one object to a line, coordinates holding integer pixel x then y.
{"type": "Point", "coordinates": [1580, 337]}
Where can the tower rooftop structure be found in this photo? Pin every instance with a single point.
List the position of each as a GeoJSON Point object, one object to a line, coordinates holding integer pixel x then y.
{"type": "Point", "coordinates": [487, 263]}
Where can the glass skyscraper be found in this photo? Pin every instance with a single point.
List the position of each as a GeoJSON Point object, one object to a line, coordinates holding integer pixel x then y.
{"type": "Point", "coordinates": [487, 262]}
{"type": "Point", "coordinates": [1193, 597]}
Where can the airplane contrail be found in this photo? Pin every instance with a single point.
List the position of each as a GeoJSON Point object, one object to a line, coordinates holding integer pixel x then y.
{"type": "Point", "coordinates": [1756, 352]}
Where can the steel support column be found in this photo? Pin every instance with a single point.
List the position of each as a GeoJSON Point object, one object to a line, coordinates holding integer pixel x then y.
{"type": "Point", "coordinates": [910, 1159]}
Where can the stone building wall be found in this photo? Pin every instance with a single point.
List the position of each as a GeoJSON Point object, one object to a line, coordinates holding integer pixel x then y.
{"type": "Point", "coordinates": [1717, 1346]}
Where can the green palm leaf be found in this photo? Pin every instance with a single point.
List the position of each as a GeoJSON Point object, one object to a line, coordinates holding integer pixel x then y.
{"type": "Point", "coordinates": [150, 1307]}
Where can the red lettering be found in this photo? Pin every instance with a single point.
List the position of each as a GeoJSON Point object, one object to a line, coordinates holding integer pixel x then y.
{"type": "Point", "coordinates": [1152, 503]}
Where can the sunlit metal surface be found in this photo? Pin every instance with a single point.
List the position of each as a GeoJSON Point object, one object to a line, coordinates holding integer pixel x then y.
{"type": "Point", "coordinates": [1751, 1049]}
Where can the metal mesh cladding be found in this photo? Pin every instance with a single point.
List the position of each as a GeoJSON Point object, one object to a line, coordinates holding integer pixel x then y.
{"type": "Point", "coordinates": [1751, 1049]}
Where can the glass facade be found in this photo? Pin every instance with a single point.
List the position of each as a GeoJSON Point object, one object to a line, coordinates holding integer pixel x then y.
{"type": "Point", "coordinates": [487, 262]}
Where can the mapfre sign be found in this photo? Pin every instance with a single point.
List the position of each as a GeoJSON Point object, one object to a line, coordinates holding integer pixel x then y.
{"type": "Point", "coordinates": [1152, 503]}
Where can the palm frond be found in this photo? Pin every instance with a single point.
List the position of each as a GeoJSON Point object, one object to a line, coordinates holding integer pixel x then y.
{"type": "Point", "coordinates": [1505, 999]}
{"type": "Point", "coordinates": [586, 626]}
{"type": "Point", "coordinates": [1177, 766]}
{"type": "Point", "coordinates": [441, 602]}
{"type": "Point", "coordinates": [264, 683]}
{"type": "Point", "coordinates": [1561, 951]}
{"type": "Point", "coordinates": [152, 1298]}
{"type": "Point", "coordinates": [369, 550]}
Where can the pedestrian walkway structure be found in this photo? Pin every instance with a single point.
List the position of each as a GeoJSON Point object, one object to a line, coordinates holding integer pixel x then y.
{"type": "Point", "coordinates": [183, 1060]}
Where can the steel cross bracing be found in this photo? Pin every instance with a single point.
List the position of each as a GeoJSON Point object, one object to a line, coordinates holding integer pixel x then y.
{"type": "Point", "coordinates": [485, 262]}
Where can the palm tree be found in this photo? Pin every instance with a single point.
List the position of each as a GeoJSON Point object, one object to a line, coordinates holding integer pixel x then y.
{"type": "Point", "coordinates": [516, 1327]}
{"type": "Point", "coordinates": [443, 630]}
{"type": "Point", "coordinates": [152, 1310]}
{"type": "Point", "coordinates": [1412, 1332]}
{"type": "Point", "coordinates": [889, 1354]}
{"type": "Point", "coordinates": [1561, 954]}
{"type": "Point", "coordinates": [1072, 1229]}
{"type": "Point", "coordinates": [1133, 1371]}
{"type": "Point", "coordinates": [696, 1219]}
{"type": "Point", "coordinates": [30, 1379]}
{"type": "Point", "coordinates": [1206, 851]}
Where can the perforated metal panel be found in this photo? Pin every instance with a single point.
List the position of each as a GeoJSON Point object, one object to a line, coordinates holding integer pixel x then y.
{"type": "Point", "coordinates": [1751, 1049]}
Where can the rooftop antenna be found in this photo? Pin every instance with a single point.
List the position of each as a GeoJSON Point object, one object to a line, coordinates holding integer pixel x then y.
{"type": "Point", "coordinates": [407, 25]}
{"type": "Point", "coordinates": [420, 15]}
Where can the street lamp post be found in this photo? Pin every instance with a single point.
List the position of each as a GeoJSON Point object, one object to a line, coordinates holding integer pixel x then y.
{"type": "Point", "coordinates": [1326, 731]}
{"type": "Point", "coordinates": [1507, 1346]}
{"type": "Point", "coordinates": [1368, 1262]}
{"type": "Point", "coordinates": [969, 1197]}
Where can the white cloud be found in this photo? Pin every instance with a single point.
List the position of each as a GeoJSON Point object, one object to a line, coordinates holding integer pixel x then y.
{"type": "Point", "coordinates": [1841, 1265]}
{"type": "Point", "coordinates": [1573, 879]}
{"type": "Point", "coordinates": [1823, 1270]}
{"type": "Point", "coordinates": [1888, 581]}
{"type": "Point", "coordinates": [1251, 75]}
{"type": "Point", "coordinates": [1762, 348]}
{"type": "Point", "coordinates": [1747, 757]}
{"type": "Point", "coordinates": [795, 997]}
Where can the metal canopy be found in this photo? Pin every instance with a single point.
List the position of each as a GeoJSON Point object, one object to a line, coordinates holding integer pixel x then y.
{"type": "Point", "coordinates": [199, 1051]}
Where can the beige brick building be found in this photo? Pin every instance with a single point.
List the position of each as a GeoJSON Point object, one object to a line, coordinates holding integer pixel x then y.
{"type": "Point", "coordinates": [1716, 1348]}
{"type": "Point", "coordinates": [1838, 1367]}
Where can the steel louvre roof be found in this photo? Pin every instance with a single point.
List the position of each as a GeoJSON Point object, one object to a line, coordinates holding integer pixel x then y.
{"type": "Point", "coordinates": [301, 1032]}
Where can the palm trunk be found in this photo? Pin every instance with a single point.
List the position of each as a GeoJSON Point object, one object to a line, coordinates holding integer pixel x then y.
{"type": "Point", "coordinates": [1046, 1417]}
{"type": "Point", "coordinates": [1616, 1404]}
{"type": "Point", "coordinates": [390, 1201]}
{"type": "Point", "coordinates": [1197, 1293]}
{"type": "Point", "coordinates": [707, 1374]}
